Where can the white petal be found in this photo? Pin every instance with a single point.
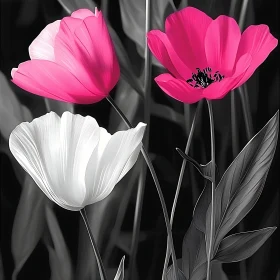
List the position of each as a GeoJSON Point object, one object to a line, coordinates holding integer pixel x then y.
{"type": "Point", "coordinates": [14, 70]}
{"type": "Point", "coordinates": [118, 157]}
{"type": "Point", "coordinates": [43, 45]}
{"type": "Point", "coordinates": [55, 152]}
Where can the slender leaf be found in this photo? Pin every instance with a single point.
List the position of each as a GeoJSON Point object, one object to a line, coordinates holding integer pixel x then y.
{"type": "Point", "coordinates": [278, 275]}
{"type": "Point", "coordinates": [133, 14]}
{"type": "Point", "coordinates": [60, 261]}
{"type": "Point", "coordinates": [240, 246]}
{"type": "Point", "coordinates": [194, 254]}
{"type": "Point", "coordinates": [11, 111]}
{"type": "Point", "coordinates": [258, 268]}
{"type": "Point", "coordinates": [1, 268]}
{"type": "Point", "coordinates": [120, 272]}
{"type": "Point", "coordinates": [28, 224]}
{"type": "Point", "coordinates": [129, 102]}
{"type": "Point", "coordinates": [125, 63]}
{"type": "Point", "coordinates": [71, 5]}
{"type": "Point", "coordinates": [18, 170]}
{"type": "Point", "coordinates": [217, 272]}
{"type": "Point", "coordinates": [242, 183]}
{"type": "Point", "coordinates": [170, 274]}
{"type": "Point", "coordinates": [28, 12]}
{"type": "Point", "coordinates": [167, 113]}
{"type": "Point", "coordinates": [201, 207]}
{"type": "Point", "coordinates": [58, 107]}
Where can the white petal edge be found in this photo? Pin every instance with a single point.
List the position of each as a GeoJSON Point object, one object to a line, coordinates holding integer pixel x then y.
{"type": "Point", "coordinates": [118, 157]}
{"type": "Point", "coordinates": [31, 151]}
{"type": "Point", "coordinates": [13, 71]}
{"type": "Point", "coordinates": [42, 46]}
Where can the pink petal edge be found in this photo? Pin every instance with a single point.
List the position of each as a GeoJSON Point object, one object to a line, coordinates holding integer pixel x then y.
{"type": "Point", "coordinates": [178, 89]}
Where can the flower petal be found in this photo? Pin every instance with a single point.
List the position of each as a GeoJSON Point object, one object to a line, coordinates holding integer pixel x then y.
{"type": "Point", "coordinates": [161, 48]}
{"type": "Point", "coordinates": [113, 160]}
{"type": "Point", "coordinates": [79, 137]}
{"type": "Point", "coordinates": [257, 41]}
{"type": "Point", "coordinates": [178, 89]}
{"type": "Point", "coordinates": [55, 153]}
{"type": "Point", "coordinates": [186, 31]}
{"type": "Point", "coordinates": [43, 45]}
{"type": "Point", "coordinates": [69, 55]}
{"type": "Point", "coordinates": [218, 90]}
{"type": "Point", "coordinates": [97, 52]}
{"type": "Point", "coordinates": [50, 80]}
{"type": "Point", "coordinates": [82, 14]}
{"type": "Point", "coordinates": [221, 44]}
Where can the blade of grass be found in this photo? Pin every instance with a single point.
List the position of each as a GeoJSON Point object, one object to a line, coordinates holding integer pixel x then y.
{"type": "Point", "coordinates": [142, 177]}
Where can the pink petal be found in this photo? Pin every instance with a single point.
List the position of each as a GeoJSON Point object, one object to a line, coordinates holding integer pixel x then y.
{"type": "Point", "coordinates": [186, 30]}
{"type": "Point", "coordinates": [221, 44]}
{"type": "Point", "coordinates": [178, 89]}
{"type": "Point", "coordinates": [69, 55]}
{"type": "Point", "coordinates": [48, 79]}
{"type": "Point", "coordinates": [97, 52]}
{"type": "Point", "coordinates": [257, 41]}
{"type": "Point", "coordinates": [162, 49]}
{"type": "Point", "coordinates": [43, 45]}
{"type": "Point", "coordinates": [218, 90]}
{"type": "Point", "coordinates": [82, 14]}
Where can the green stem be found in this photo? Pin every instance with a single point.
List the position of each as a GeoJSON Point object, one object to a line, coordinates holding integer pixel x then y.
{"type": "Point", "coordinates": [142, 177]}
{"type": "Point", "coordinates": [160, 194]}
{"type": "Point", "coordinates": [182, 171]}
{"type": "Point", "coordinates": [213, 186]}
{"type": "Point", "coordinates": [94, 246]}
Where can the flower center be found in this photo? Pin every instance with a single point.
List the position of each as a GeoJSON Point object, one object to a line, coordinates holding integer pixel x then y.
{"type": "Point", "coordinates": [204, 78]}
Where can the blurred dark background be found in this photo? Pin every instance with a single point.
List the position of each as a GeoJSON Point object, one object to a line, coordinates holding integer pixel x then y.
{"type": "Point", "coordinates": [21, 22]}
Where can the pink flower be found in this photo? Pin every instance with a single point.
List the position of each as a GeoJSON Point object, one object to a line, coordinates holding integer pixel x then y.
{"type": "Point", "coordinates": [207, 58]}
{"type": "Point", "coordinates": [72, 60]}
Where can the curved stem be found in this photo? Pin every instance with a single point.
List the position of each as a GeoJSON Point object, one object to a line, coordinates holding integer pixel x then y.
{"type": "Point", "coordinates": [160, 194]}
{"type": "Point", "coordinates": [182, 171]}
{"type": "Point", "coordinates": [94, 246]}
{"type": "Point", "coordinates": [208, 277]}
{"type": "Point", "coordinates": [143, 173]}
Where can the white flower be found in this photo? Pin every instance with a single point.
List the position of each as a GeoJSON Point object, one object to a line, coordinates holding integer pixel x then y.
{"type": "Point", "coordinates": [73, 160]}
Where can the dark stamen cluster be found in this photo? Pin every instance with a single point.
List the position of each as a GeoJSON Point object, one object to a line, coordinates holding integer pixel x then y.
{"type": "Point", "coordinates": [204, 78]}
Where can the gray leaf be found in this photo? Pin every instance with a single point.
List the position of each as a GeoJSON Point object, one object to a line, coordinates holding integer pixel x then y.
{"type": "Point", "coordinates": [60, 260]}
{"type": "Point", "coordinates": [240, 246]}
{"type": "Point", "coordinates": [201, 207]}
{"type": "Point", "coordinates": [170, 275]}
{"type": "Point", "coordinates": [1, 268]}
{"type": "Point", "coordinates": [129, 102]}
{"type": "Point", "coordinates": [217, 272]}
{"type": "Point", "coordinates": [58, 107]}
{"type": "Point", "coordinates": [133, 14]}
{"type": "Point", "coordinates": [12, 112]}
{"type": "Point", "coordinates": [28, 224]}
{"type": "Point", "coordinates": [193, 250]}
{"type": "Point", "coordinates": [120, 272]}
{"type": "Point", "coordinates": [242, 183]}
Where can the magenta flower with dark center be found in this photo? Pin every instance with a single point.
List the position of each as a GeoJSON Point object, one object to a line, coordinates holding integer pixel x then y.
{"type": "Point", "coordinates": [207, 58]}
